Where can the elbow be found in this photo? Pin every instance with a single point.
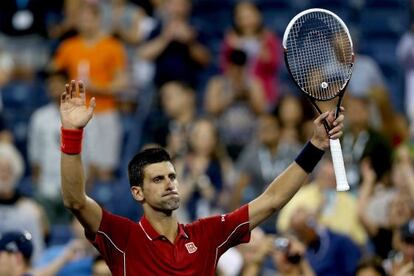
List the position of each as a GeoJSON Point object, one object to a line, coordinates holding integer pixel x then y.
{"type": "Point", "coordinates": [74, 205]}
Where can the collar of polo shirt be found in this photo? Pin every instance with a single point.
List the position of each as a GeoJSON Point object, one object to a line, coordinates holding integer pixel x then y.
{"type": "Point", "coordinates": [152, 234]}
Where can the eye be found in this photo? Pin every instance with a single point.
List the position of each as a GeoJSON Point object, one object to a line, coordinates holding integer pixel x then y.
{"type": "Point", "coordinates": [157, 179]}
{"type": "Point", "coordinates": [172, 177]}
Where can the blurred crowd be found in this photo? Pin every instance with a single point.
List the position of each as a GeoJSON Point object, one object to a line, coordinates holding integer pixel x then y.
{"type": "Point", "coordinates": [211, 87]}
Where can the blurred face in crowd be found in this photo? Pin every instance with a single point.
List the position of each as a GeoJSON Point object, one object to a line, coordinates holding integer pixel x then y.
{"type": "Point", "coordinates": [268, 130]}
{"type": "Point", "coordinates": [203, 137]}
{"type": "Point", "coordinates": [7, 176]}
{"type": "Point", "coordinates": [178, 9]}
{"type": "Point", "coordinates": [175, 99]}
{"type": "Point", "coordinates": [357, 112]}
{"type": "Point", "coordinates": [400, 210]}
{"type": "Point", "coordinates": [407, 248]}
{"type": "Point", "coordinates": [302, 225]}
{"type": "Point", "coordinates": [54, 86]}
{"type": "Point", "coordinates": [247, 18]}
{"type": "Point", "coordinates": [290, 111]}
{"type": "Point", "coordinates": [89, 23]}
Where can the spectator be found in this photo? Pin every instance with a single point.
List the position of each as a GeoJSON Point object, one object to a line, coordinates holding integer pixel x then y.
{"type": "Point", "coordinates": [99, 61]}
{"type": "Point", "coordinates": [171, 127]}
{"type": "Point", "coordinates": [370, 267]}
{"type": "Point", "coordinates": [375, 202]}
{"type": "Point", "coordinates": [234, 100]}
{"type": "Point", "coordinates": [16, 250]}
{"type": "Point", "coordinates": [328, 253]}
{"type": "Point", "coordinates": [289, 258]}
{"type": "Point", "coordinates": [174, 43]}
{"type": "Point", "coordinates": [261, 46]}
{"type": "Point", "coordinates": [321, 197]}
{"type": "Point", "coordinates": [44, 151]}
{"type": "Point", "coordinates": [18, 212]}
{"type": "Point", "coordinates": [402, 261]}
{"type": "Point", "coordinates": [73, 258]}
{"type": "Point", "coordinates": [405, 55]}
{"type": "Point", "coordinates": [204, 173]}
{"type": "Point", "coordinates": [292, 113]}
{"type": "Point", "coordinates": [262, 160]}
{"type": "Point", "coordinates": [361, 140]}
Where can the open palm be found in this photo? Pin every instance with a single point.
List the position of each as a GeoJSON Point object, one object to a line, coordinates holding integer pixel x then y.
{"type": "Point", "coordinates": [73, 110]}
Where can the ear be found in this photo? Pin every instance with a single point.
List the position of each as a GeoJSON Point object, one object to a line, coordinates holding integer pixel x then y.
{"type": "Point", "coordinates": [137, 193]}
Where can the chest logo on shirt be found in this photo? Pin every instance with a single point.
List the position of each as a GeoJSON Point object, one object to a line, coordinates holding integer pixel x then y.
{"type": "Point", "coordinates": [191, 248]}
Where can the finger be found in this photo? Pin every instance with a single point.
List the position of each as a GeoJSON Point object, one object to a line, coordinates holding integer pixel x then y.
{"type": "Point", "coordinates": [82, 93]}
{"type": "Point", "coordinates": [339, 120]}
{"type": "Point", "coordinates": [63, 97]}
{"type": "Point", "coordinates": [92, 105]}
{"type": "Point", "coordinates": [321, 117]}
{"type": "Point", "coordinates": [336, 135]}
{"type": "Point", "coordinates": [336, 129]}
{"type": "Point", "coordinates": [67, 89]}
{"type": "Point", "coordinates": [72, 89]}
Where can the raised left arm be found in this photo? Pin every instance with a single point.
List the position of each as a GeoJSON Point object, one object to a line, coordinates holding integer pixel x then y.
{"type": "Point", "coordinates": [284, 187]}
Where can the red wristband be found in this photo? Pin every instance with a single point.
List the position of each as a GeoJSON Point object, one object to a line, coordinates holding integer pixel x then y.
{"type": "Point", "coordinates": [71, 142]}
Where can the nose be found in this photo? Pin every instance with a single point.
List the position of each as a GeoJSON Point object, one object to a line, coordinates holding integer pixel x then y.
{"type": "Point", "coordinates": [170, 185]}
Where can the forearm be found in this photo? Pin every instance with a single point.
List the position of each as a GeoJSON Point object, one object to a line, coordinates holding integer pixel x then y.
{"type": "Point", "coordinates": [153, 48]}
{"type": "Point", "coordinates": [52, 268]}
{"type": "Point", "coordinates": [73, 184]}
{"type": "Point", "coordinates": [283, 188]}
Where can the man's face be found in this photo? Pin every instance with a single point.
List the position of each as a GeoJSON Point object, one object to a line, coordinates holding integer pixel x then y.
{"type": "Point", "coordinates": [160, 187]}
{"type": "Point", "coordinates": [89, 23]}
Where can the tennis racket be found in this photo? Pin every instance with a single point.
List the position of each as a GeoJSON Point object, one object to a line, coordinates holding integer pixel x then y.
{"type": "Point", "coordinates": [319, 57]}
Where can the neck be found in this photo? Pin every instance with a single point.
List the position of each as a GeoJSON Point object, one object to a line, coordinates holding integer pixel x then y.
{"type": "Point", "coordinates": [165, 224]}
{"type": "Point", "coordinates": [92, 38]}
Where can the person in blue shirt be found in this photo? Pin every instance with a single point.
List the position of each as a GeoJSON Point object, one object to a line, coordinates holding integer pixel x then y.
{"type": "Point", "coordinates": [328, 253]}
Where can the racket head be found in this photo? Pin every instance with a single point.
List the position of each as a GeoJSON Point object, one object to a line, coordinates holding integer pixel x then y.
{"type": "Point", "coordinates": [319, 53]}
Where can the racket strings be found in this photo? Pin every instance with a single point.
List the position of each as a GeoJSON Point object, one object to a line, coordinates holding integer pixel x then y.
{"type": "Point", "coordinates": [319, 55]}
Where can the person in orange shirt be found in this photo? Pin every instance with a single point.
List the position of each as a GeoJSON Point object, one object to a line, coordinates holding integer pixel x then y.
{"type": "Point", "coordinates": [99, 60]}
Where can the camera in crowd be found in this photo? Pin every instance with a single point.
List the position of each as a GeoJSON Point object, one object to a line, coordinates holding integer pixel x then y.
{"type": "Point", "coordinates": [284, 245]}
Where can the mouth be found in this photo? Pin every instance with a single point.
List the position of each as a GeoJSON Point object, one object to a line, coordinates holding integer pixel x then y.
{"type": "Point", "coordinates": [170, 193]}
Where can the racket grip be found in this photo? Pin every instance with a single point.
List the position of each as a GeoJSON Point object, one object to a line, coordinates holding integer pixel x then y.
{"type": "Point", "coordinates": [339, 167]}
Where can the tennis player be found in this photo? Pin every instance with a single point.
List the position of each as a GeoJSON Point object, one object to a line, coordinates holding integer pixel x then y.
{"type": "Point", "coordinates": [158, 244]}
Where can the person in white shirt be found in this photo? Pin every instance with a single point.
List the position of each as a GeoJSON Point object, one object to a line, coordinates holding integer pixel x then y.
{"type": "Point", "coordinates": [44, 151]}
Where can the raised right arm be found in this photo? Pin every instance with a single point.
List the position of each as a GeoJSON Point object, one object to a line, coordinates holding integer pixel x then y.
{"type": "Point", "coordinates": [75, 115]}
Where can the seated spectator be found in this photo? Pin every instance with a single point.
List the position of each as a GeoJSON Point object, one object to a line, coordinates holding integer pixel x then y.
{"type": "Point", "coordinates": [74, 258]}
{"type": "Point", "coordinates": [99, 61]}
{"type": "Point", "coordinates": [44, 151]}
{"type": "Point", "coordinates": [18, 212]}
{"type": "Point", "coordinates": [204, 172]}
{"type": "Point", "coordinates": [174, 43]}
{"type": "Point", "coordinates": [261, 46]}
{"type": "Point", "coordinates": [235, 100]}
{"type": "Point", "coordinates": [336, 211]}
{"type": "Point", "coordinates": [16, 250]}
{"type": "Point", "coordinates": [328, 252]}
{"type": "Point", "coordinates": [260, 162]}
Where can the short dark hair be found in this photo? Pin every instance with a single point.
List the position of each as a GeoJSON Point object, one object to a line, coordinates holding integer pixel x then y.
{"type": "Point", "coordinates": [372, 262]}
{"type": "Point", "coordinates": [142, 159]}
